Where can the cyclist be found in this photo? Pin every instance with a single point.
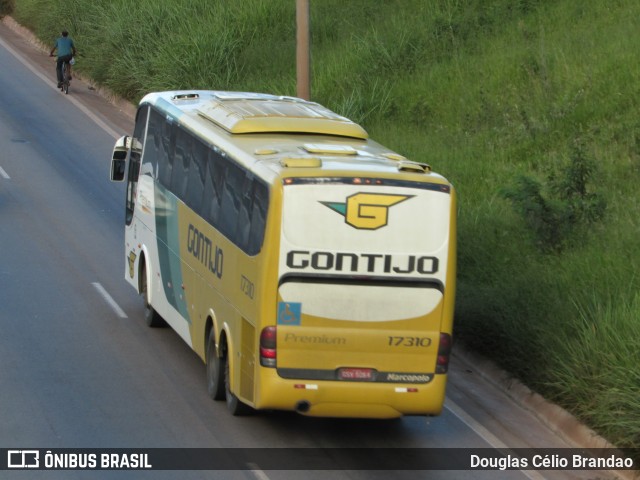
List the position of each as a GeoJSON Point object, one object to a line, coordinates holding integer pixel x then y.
{"type": "Point", "coordinates": [66, 51]}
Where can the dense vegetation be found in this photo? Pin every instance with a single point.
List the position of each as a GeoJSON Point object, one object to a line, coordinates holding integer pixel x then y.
{"type": "Point", "coordinates": [530, 107]}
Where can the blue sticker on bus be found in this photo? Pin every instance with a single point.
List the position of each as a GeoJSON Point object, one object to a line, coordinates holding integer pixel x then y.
{"type": "Point", "coordinates": [289, 313]}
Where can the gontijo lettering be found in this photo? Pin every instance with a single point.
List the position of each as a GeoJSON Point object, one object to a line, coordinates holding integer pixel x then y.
{"type": "Point", "coordinates": [201, 247]}
{"type": "Point", "coordinates": [361, 263]}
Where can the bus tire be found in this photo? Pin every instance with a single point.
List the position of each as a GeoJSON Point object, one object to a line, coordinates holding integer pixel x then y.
{"type": "Point", "coordinates": [234, 405]}
{"type": "Point", "coordinates": [215, 369]}
{"type": "Point", "coordinates": [151, 317]}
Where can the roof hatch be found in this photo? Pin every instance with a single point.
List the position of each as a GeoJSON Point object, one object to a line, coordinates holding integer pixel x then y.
{"type": "Point", "coordinates": [330, 149]}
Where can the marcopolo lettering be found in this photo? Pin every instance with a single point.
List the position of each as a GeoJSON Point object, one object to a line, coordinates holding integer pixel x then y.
{"type": "Point", "coordinates": [409, 377]}
{"type": "Point", "coordinates": [361, 262]}
{"type": "Point", "coordinates": [202, 248]}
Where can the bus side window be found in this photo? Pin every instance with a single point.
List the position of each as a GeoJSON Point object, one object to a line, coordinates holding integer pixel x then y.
{"type": "Point", "coordinates": [152, 146]}
{"type": "Point", "coordinates": [134, 161]}
{"type": "Point", "coordinates": [213, 188]}
{"type": "Point", "coordinates": [258, 217]}
{"type": "Point", "coordinates": [182, 156]}
{"type": "Point", "coordinates": [166, 153]}
{"type": "Point", "coordinates": [243, 225]}
{"type": "Point", "coordinates": [196, 178]}
{"type": "Point", "coordinates": [231, 200]}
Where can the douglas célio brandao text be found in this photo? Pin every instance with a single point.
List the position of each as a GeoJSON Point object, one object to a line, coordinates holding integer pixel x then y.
{"type": "Point", "coordinates": [569, 461]}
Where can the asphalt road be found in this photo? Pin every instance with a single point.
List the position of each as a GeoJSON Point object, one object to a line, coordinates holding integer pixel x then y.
{"type": "Point", "coordinates": [78, 366]}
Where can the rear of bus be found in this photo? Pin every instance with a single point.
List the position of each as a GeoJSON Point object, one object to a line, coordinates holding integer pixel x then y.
{"type": "Point", "coordinates": [366, 287]}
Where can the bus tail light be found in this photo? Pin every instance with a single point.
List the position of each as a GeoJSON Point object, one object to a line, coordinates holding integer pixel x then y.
{"type": "Point", "coordinates": [444, 352]}
{"type": "Point", "coordinates": [268, 347]}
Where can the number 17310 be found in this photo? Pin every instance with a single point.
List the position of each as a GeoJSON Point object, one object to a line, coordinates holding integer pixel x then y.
{"type": "Point", "coordinates": [409, 341]}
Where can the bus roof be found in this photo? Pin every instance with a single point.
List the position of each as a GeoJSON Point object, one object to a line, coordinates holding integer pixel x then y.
{"type": "Point", "coordinates": [243, 112]}
{"type": "Point", "coordinates": [259, 125]}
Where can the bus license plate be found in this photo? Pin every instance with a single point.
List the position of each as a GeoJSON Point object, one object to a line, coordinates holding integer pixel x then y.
{"type": "Point", "coordinates": [356, 374]}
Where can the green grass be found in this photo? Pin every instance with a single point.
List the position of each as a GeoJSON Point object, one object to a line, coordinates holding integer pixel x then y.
{"type": "Point", "coordinates": [486, 91]}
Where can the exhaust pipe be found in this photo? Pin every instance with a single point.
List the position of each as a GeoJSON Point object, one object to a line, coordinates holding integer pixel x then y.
{"type": "Point", "coordinates": [303, 406]}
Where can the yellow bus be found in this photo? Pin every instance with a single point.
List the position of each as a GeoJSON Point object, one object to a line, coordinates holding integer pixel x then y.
{"type": "Point", "coordinates": [311, 268]}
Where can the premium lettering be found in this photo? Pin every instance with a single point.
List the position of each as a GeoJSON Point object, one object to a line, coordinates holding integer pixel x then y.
{"type": "Point", "coordinates": [315, 339]}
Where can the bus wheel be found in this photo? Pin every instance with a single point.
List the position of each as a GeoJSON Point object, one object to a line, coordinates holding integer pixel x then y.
{"type": "Point", "coordinates": [215, 369]}
{"type": "Point", "coordinates": [235, 406]}
{"type": "Point", "coordinates": [151, 317]}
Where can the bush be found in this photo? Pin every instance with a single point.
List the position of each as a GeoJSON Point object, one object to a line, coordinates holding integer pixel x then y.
{"type": "Point", "coordinates": [7, 7]}
{"type": "Point", "coordinates": [556, 217]}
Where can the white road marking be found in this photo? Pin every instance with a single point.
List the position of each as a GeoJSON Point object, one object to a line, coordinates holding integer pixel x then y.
{"type": "Point", "coordinates": [255, 470]}
{"type": "Point", "coordinates": [485, 434]}
{"type": "Point", "coordinates": [112, 303]}
{"type": "Point", "coordinates": [4, 174]}
{"type": "Point", "coordinates": [49, 81]}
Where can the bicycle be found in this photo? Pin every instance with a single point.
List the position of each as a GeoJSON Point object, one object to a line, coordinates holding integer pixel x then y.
{"type": "Point", "coordinates": [66, 76]}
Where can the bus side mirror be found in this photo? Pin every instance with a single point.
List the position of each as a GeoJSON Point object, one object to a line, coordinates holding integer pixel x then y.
{"type": "Point", "coordinates": [119, 158]}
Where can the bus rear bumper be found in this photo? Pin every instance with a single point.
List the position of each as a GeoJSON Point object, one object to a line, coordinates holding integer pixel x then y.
{"type": "Point", "coordinates": [354, 399]}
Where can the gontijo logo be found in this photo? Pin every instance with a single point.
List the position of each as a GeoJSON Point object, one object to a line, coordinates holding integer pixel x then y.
{"type": "Point", "coordinates": [367, 211]}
